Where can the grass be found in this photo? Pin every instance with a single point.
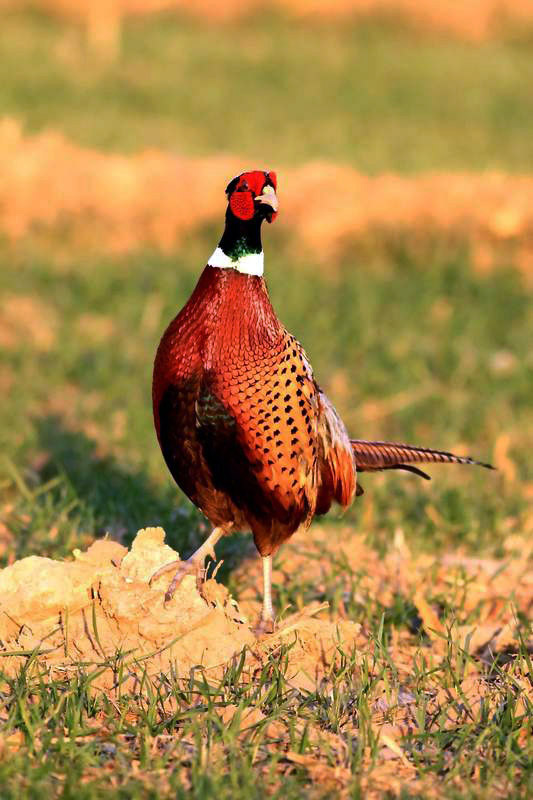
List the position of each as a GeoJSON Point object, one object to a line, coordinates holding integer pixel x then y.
{"type": "Point", "coordinates": [71, 472]}
{"type": "Point", "coordinates": [455, 348]}
{"type": "Point", "coordinates": [376, 96]}
{"type": "Point", "coordinates": [243, 735]}
{"type": "Point", "coordinates": [408, 339]}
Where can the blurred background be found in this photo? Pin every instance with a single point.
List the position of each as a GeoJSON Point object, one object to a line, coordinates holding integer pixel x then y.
{"type": "Point", "coordinates": [402, 258]}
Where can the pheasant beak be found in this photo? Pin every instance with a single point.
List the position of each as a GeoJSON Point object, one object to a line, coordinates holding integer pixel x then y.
{"type": "Point", "coordinates": [269, 198]}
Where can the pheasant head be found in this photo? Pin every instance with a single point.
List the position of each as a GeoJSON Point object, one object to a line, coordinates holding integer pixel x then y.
{"type": "Point", "coordinates": [251, 199]}
{"type": "Point", "coordinates": [252, 196]}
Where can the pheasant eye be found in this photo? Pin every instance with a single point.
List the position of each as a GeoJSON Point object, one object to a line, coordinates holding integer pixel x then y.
{"type": "Point", "coordinates": [243, 187]}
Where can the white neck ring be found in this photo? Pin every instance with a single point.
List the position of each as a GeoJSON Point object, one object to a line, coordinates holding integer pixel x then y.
{"type": "Point", "coordinates": [250, 264]}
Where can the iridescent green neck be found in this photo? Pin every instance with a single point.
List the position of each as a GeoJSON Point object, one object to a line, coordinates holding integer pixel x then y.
{"type": "Point", "coordinates": [241, 237]}
{"type": "Point", "coordinates": [240, 246]}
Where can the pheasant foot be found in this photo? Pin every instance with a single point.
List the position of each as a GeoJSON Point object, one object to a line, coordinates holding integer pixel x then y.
{"type": "Point", "coordinates": [264, 626]}
{"type": "Point", "coordinates": [193, 564]}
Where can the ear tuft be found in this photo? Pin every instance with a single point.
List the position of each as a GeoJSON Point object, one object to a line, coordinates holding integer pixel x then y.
{"type": "Point", "coordinates": [232, 185]}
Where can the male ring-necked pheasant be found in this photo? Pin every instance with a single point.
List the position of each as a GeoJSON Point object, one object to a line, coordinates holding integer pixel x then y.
{"type": "Point", "coordinates": [244, 427]}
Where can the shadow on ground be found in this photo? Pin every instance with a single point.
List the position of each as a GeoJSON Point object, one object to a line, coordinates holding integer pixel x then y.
{"type": "Point", "coordinates": [117, 499]}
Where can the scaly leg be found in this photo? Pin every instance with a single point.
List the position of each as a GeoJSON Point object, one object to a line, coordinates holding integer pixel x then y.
{"type": "Point", "coordinates": [193, 564]}
{"type": "Point", "coordinates": [267, 612]}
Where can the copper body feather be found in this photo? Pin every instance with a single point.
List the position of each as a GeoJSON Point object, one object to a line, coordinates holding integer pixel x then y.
{"type": "Point", "coordinates": [243, 426]}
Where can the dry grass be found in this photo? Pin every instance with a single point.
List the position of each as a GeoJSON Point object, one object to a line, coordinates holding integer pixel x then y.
{"type": "Point", "coordinates": [474, 20]}
{"type": "Point", "coordinates": [118, 203]}
{"type": "Point", "coordinates": [26, 321]}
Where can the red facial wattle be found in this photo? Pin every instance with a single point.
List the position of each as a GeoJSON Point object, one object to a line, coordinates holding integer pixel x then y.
{"type": "Point", "coordinates": [242, 204]}
{"type": "Point", "coordinates": [250, 186]}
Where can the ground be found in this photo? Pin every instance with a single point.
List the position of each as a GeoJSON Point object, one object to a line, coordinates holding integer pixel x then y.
{"type": "Point", "coordinates": [418, 332]}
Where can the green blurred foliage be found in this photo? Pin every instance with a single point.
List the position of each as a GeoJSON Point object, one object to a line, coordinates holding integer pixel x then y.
{"type": "Point", "coordinates": [375, 95]}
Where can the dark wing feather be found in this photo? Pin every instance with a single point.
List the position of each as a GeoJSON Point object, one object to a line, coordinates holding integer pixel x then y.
{"type": "Point", "coordinates": [335, 459]}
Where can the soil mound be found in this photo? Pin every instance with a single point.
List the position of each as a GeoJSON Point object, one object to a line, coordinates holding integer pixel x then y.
{"type": "Point", "coordinates": [99, 612]}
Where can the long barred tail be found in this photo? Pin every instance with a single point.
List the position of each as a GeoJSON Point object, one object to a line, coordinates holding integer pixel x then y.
{"type": "Point", "coordinates": [372, 456]}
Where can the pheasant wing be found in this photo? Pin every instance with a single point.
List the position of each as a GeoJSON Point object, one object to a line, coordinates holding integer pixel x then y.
{"type": "Point", "coordinates": [336, 459]}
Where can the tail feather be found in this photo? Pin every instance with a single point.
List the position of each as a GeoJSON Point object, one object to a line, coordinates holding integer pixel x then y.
{"type": "Point", "coordinates": [372, 456]}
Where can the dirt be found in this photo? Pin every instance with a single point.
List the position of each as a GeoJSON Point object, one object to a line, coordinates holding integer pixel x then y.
{"type": "Point", "coordinates": [82, 613]}
{"type": "Point", "coordinates": [100, 604]}
{"type": "Point", "coordinates": [485, 593]}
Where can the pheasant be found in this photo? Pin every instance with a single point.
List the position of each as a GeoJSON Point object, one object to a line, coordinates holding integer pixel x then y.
{"type": "Point", "coordinates": [243, 426]}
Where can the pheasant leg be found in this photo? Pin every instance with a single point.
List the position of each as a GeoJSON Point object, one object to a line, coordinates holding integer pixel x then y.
{"type": "Point", "coordinates": [267, 623]}
{"type": "Point", "coordinates": [192, 564]}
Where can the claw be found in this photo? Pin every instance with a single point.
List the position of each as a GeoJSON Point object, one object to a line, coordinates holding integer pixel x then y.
{"type": "Point", "coordinates": [177, 579]}
{"type": "Point", "coordinates": [185, 568]}
{"type": "Point", "coordinates": [193, 564]}
{"type": "Point", "coordinates": [264, 626]}
{"type": "Point", "coordinates": [163, 570]}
